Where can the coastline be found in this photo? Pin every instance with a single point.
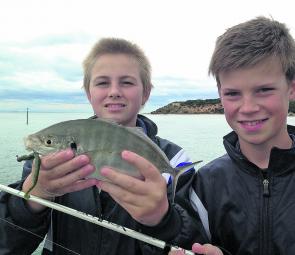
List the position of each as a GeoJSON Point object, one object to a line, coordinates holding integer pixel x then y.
{"type": "Point", "coordinates": [207, 106]}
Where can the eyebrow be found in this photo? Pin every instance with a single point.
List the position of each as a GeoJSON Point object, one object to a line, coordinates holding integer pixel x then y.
{"type": "Point", "coordinates": [127, 76]}
{"type": "Point", "coordinates": [265, 85]}
{"type": "Point", "coordinates": [100, 77]}
{"type": "Point", "coordinates": [229, 89]}
{"type": "Point", "coordinates": [107, 77]}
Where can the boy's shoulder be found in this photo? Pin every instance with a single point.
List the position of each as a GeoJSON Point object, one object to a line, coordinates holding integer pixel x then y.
{"type": "Point", "coordinates": [217, 166]}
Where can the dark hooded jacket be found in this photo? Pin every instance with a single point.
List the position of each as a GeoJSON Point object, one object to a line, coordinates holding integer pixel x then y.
{"type": "Point", "coordinates": [21, 231]}
{"type": "Point", "coordinates": [245, 209]}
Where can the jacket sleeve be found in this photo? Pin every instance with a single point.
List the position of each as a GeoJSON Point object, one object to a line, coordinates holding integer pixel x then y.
{"type": "Point", "coordinates": [181, 225]}
{"type": "Point", "coordinates": [21, 230]}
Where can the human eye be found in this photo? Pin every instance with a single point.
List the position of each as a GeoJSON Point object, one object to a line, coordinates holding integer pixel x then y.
{"type": "Point", "coordinates": [127, 82]}
{"type": "Point", "coordinates": [101, 83]}
{"type": "Point", "coordinates": [265, 90]}
{"type": "Point", "coordinates": [231, 93]}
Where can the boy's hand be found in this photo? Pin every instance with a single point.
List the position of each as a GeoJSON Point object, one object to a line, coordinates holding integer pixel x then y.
{"type": "Point", "coordinates": [206, 249]}
{"type": "Point", "coordinates": [144, 199]}
{"type": "Point", "coordinates": [60, 173]}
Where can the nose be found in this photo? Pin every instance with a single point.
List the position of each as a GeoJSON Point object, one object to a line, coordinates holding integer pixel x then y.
{"type": "Point", "coordinates": [114, 91]}
{"type": "Point", "coordinates": [249, 105]}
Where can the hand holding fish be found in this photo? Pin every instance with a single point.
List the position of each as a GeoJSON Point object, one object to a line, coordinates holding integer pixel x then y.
{"type": "Point", "coordinates": [144, 198]}
{"type": "Point", "coordinates": [102, 141]}
{"type": "Point", "coordinates": [59, 173]}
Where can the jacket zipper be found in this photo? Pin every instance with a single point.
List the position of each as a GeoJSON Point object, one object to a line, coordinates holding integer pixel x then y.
{"type": "Point", "coordinates": [265, 183]}
{"type": "Point", "coordinates": [265, 217]}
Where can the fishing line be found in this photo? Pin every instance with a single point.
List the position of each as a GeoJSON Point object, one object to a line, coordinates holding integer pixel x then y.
{"type": "Point", "coordinates": [98, 221]}
{"type": "Point", "coordinates": [39, 236]}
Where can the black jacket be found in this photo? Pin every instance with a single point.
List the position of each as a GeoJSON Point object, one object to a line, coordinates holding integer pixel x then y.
{"type": "Point", "coordinates": [244, 209]}
{"type": "Point", "coordinates": [71, 235]}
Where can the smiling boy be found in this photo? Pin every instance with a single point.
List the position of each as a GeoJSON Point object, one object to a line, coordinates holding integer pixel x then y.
{"type": "Point", "coordinates": [117, 81]}
{"type": "Point", "coordinates": [244, 200]}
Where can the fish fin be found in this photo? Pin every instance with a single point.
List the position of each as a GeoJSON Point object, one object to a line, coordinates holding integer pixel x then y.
{"type": "Point", "coordinates": [177, 172]}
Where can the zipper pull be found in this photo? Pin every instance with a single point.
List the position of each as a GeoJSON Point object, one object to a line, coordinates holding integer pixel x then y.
{"type": "Point", "coordinates": [265, 188]}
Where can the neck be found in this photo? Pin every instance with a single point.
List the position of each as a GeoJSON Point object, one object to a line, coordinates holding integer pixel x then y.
{"type": "Point", "coordinates": [260, 154]}
{"type": "Point", "coordinates": [256, 155]}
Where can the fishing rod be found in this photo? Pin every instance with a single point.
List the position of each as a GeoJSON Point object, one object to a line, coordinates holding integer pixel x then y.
{"type": "Point", "coordinates": [103, 223]}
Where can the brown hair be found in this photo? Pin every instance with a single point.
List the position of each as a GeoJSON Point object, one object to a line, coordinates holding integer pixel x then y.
{"type": "Point", "coordinates": [117, 46]}
{"type": "Point", "coordinates": [248, 43]}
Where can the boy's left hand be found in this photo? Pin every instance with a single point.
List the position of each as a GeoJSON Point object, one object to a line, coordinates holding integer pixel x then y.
{"type": "Point", "coordinates": [205, 249]}
{"type": "Point", "coordinates": [144, 199]}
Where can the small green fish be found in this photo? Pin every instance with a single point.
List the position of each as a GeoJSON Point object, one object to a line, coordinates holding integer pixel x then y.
{"type": "Point", "coordinates": [103, 141]}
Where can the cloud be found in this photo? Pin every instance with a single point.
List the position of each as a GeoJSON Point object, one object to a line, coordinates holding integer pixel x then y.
{"type": "Point", "coordinates": [47, 70]}
{"type": "Point", "coordinates": [43, 44]}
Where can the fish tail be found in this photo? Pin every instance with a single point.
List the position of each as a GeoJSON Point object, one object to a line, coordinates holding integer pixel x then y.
{"type": "Point", "coordinates": [178, 171]}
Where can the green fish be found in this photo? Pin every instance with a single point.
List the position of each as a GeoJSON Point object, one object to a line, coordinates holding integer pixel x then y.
{"type": "Point", "coordinates": [103, 141]}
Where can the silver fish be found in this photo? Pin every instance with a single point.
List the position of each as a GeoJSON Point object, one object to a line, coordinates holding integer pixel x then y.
{"type": "Point", "coordinates": [103, 141]}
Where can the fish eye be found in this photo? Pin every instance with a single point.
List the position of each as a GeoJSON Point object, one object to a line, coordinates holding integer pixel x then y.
{"type": "Point", "coordinates": [73, 146]}
{"type": "Point", "coordinates": [48, 142]}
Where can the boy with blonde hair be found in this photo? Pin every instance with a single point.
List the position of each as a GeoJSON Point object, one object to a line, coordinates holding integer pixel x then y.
{"type": "Point", "coordinates": [117, 81]}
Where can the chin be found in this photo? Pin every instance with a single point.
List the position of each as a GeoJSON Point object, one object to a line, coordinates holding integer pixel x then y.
{"type": "Point", "coordinates": [255, 141]}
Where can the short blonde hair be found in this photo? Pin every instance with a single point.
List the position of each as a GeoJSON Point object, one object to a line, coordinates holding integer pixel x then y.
{"type": "Point", "coordinates": [118, 46]}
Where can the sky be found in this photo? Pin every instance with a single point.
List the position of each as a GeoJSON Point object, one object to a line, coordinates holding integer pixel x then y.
{"type": "Point", "coordinates": [44, 42]}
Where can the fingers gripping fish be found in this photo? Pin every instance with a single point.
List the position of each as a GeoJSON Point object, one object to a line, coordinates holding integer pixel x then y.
{"type": "Point", "coordinates": [103, 141]}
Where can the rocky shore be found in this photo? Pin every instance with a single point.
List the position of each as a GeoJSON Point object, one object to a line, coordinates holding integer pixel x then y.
{"type": "Point", "coordinates": [208, 106]}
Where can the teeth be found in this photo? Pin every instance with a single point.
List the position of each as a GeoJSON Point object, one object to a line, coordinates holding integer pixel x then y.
{"type": "Point", "coordinates": [115, 106]}
{"type": "Point", "coordinates": [251, 123]}
{"type": "Point", "coordinates": [109, 105]}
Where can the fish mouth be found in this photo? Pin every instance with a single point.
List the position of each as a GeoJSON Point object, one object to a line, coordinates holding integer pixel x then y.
{"type": "Point", "coordinates": [33, 143]}
{"type": "Point", "coordinates": [29, 142]}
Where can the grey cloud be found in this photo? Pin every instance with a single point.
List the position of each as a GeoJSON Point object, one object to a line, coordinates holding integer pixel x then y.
{"type": "Point", "coordinates": [14, 62]}
{"type": "Point", "coordinates": [43, 96]}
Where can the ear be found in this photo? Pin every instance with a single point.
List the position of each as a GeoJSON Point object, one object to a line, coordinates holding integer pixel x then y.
{"type": "Point", "coordinates": [146, 95]}
{"type": "Point", "coordinates": [219, 93]}
{"type": "Point", "coordinates": [88, 96]}
{"type": "Point", "coordinates": [292, 90]}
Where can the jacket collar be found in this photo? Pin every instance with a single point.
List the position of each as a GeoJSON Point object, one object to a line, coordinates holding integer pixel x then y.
{"type": "Point", "coordinates": [281, 160]}
{"type": "Point", "coordinates": [150, 127]}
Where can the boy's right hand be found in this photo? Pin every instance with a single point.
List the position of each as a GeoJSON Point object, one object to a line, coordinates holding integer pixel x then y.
{"type": "Point", "coordinates": [60, 173]}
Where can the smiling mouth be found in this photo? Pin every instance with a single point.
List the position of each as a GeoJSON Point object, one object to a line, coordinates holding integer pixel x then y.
{"type": "Point", "coordinates": [252, 123]}
{"type": "Point", "coordinates": [114, 106]}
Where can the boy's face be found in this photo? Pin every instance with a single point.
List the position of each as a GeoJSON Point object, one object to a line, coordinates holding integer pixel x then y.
{"type": "Point", "coordinates": [116, 90]}
{"type": "Point", "coordinates": [256, 102]}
